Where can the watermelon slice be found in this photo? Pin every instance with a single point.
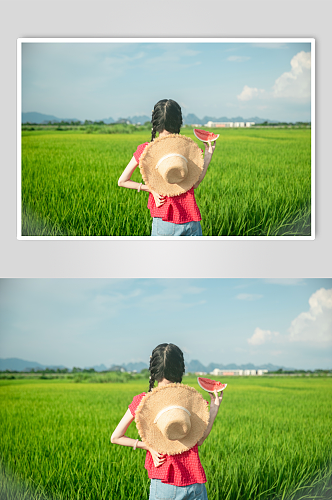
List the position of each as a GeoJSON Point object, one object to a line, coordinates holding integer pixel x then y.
{"type": "Point", "coordinates": [204, 136]}
{"type": "Point", "coordinates": [210, 385]}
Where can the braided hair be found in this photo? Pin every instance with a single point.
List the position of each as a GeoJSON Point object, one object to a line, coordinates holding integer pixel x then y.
{"type": "Point", "coordinates": [166, 362]}
{"type": "Point", "coordinates": [166, 115]}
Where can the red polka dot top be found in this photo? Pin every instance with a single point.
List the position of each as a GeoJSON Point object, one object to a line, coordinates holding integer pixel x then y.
{"type": "Point", "coordinates": [177, 209]}
{"type": "Point", "coordinates": [181, 470]}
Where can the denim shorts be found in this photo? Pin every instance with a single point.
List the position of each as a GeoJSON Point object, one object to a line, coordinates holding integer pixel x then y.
{"type": "Point", "coordinates": [163, 491]}
{"type": "Point", "coordinates": [164, 228]}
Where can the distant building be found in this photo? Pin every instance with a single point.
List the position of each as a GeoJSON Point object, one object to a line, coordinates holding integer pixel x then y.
{"type": "Point", "coordinates": [217, 372]}
{"type": "Point", "coordinates": [228, 124]}
{"type": "Point", "coordinates": [249, 372]}
{"type": "Point", "coordinates": [200, 373]}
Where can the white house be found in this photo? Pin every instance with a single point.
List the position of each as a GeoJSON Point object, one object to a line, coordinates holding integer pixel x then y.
{"type": "Point", "coordinates": [217, 372]}
{"type": "Point", "coordinates": [228, 124]}
{"type": "Point", "coordinates": [261, 372]}
{"type": "Point", "coordinates": [249, 372]}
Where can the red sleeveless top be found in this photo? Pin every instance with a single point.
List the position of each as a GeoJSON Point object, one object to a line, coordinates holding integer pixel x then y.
{"type": "Point", "coordinates": [180, 470]}
{"type": "Point", "coordinates": [177, 209]}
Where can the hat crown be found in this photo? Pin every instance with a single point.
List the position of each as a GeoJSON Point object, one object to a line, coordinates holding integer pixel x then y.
{"type": "Point", "coordinates": [173, 168]}
{"type": "Point", "coordinates": [174, 423]}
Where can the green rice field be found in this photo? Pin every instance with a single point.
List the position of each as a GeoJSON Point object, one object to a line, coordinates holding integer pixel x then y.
{"type": "Point", "coordinates": [271, 440]}
{"type": "Point", "coordinates": [258, 184]}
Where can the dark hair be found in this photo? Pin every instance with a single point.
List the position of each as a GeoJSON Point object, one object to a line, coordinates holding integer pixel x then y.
{"type": "Point", "coordinates": [166, 115]}
{"type": "Point", "coordinates": [166, 362]}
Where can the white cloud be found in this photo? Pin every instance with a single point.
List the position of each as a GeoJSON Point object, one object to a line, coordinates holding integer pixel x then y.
{"type": "Point", "coordinates": [314, 325]}
{"type": "Point", "coordinates": [238, 58]}
{"type": "Point", "coordinates": [248, 296]}
{"type": "Point", "coordinates": [296, 83]}
{"type": "Point", "coordinates": [261, 336]}
{"type": "Point", "coordinates": [249, 93]}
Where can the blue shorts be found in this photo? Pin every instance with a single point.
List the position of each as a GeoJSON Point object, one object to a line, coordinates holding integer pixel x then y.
{"type": "Point", "coordinates": [163, 491]}
{"type": "Point", "coordinates": [164, 228]}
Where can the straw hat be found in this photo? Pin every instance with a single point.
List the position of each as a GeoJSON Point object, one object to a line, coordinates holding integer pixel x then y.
{"type": "Point", "coordinates": [171, 165]}
{"type": "Point", "coordinates": [171, 419]}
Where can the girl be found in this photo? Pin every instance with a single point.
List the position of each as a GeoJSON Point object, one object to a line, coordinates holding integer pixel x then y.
{"type": "Point", "coordinates": [172, 216]}
{"type": "Point", "coordinates": [179, 476]}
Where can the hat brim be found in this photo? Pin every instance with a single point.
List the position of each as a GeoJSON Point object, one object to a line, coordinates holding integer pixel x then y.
{"type": "Point", "coordinates": [159, 148]}
{"type": "Point", "coordinates": [159, 398]}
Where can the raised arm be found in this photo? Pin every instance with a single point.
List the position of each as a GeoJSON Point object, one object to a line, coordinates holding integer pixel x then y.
{"type": "Point", "coordinates": [214, 408]}
{"type": "Point", "coordinates": [209, 150]}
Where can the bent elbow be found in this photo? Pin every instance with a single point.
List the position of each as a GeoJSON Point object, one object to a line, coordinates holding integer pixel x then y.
{"type": "Point", "coordinates": [120, 182]}
{"type": "Point", "coordinates": [113, 439]}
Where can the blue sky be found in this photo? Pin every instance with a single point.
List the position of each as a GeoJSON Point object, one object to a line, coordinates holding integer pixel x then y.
{"type": "Point", "coordinates": [86, 322]}
{"type": "Point", "coordinates": [98, 80]}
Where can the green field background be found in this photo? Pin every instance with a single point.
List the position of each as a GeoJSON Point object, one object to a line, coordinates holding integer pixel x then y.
{"type": "Point", "coordinates": [271, 440]}
{"type": "Point", "coordinates": [258, 184]}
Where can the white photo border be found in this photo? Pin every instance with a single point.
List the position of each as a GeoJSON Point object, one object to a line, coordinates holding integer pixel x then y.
{"type": "Point", "coordinates": [21, 41]}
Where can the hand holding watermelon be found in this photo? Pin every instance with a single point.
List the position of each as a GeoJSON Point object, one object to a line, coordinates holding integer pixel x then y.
{"type": "Point", "coordinates": [209, 148]}
{"type": "Point", "coordinates": [207, 138]}
{"type": "Point", "coordinates": [210, 385]}
{"type": "Point", "coordinates": [213, 387]}
{"type": "Point", "coordinates": [216, 399]}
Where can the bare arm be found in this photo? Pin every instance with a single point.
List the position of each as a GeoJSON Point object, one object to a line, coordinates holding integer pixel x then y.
{"type": "Point", "coordinates": [214, 408]}
{"type": "Point", "coordinates": [125, 177]}
{"type": "Point", "coordinates": [125, 181]}
{"type": "Point", "coordinates": [209, 150]}
{"type": "Point", "coordinates": [119, 437]}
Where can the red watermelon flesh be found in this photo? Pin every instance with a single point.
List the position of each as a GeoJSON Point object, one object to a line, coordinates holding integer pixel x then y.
{"type": "Point", "coordinates": [210, 385]}
{"type": "Point", "coordinates": [204, 136]}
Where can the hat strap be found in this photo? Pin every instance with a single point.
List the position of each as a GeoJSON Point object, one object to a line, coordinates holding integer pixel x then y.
{"type": "Point", "coordinates": [168, 156]}
{"type": "Point", "coordinates": [170, 408]}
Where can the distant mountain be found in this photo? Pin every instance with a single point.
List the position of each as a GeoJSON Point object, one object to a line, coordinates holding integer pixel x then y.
{"type": "Point", "coordinates": [130, 367]}
{"type": "Point", "coordinates": [33, 117]}
{"type": "Point", "coordinates": [99, 368]}
{"type": "Point", "coordinates": [190, 119]}
{"type": "Point", "coordinates": [16, 364]}
{"type": "Point", "coordinates": [21, 365]}
{"type": "Point", "coordinates": [197, 366]}
{"type": "Point", "coordinates": [107, 120]}
{"type": "Point", "coordinates": [193, 119]}
{"type": "Point", "coordinates": [116, 368]}
{"type": "Point", "coordinates": [140, 119]}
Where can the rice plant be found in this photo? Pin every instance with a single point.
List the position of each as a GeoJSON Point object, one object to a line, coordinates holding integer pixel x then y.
{"type": "Point", "coordinates": [271, 440]}
{"type": "Point", "coordinates": [258, 184]}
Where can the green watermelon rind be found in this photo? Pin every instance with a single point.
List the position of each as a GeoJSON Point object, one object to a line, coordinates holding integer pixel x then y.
{"type": "Point", "coordinates": [214, 138]}
{"type": "Point", "coordinates": [204, 389]}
